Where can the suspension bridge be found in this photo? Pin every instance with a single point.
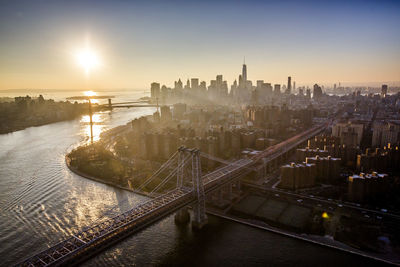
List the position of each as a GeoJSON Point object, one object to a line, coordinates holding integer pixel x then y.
{"type": "Point", "coordinates": [184, 182]}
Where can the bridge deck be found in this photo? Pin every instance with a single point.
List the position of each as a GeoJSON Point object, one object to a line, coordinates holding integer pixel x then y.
{"type": "Point", "coordinates": [129, 221]}
{"type": "Point", "coordinates": [218, 176]}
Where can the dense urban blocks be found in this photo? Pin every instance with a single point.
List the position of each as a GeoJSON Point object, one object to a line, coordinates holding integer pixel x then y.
{"type": "Point", "coordinates": [296, 176]}
{"type": "Point", "coordinates": [367, 186]}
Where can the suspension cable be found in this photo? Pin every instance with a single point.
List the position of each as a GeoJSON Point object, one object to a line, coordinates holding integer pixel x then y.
{"type": "Point", "coordinates": [171, 174]}
{"type": "Point", "coordinates": [162, 168]}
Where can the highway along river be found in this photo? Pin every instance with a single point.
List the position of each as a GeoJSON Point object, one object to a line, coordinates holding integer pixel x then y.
{"type": "Point", "coordinates": [42, 202]}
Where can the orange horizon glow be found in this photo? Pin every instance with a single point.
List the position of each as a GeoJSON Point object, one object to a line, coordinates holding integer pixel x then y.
{"type": "Point", "coordinates": [137, 44]}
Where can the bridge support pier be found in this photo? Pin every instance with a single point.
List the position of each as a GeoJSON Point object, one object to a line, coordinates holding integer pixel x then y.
{"type": "Point", "coordinates": [199, 224]}
{"type": "Point", "coordinates": [182, 216]}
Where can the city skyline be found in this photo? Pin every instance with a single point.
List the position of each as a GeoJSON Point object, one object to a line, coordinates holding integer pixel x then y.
{"type": "Point", "coordinates": [137, 43]}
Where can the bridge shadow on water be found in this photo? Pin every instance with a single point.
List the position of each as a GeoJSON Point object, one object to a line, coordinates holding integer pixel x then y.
{"type": "Point", "coordinates": [220, 243]}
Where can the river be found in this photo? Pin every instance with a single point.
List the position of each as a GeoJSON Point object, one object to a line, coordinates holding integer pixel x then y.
{"type": "Point", "coordinates": [42, 202]}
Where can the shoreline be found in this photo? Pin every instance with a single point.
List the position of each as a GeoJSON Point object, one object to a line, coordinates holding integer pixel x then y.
{"type": "Point", "coordinates": [90, 177]}
{"type": "Point", "coordinates": [36, 125]}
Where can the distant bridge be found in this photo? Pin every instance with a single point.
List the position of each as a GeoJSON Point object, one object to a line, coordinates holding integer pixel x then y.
{"type": "Point", "coordinates": [191, 188]}
{"type": "Point", "coordinates": [129, 104]}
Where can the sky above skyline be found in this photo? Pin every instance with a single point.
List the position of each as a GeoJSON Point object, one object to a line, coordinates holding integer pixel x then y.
{"type": "Point", "coordinates": [141, 42]}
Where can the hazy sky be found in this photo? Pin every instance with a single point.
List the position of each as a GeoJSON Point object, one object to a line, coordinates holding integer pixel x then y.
{"type": "Point", "coordinates": [141, 42]}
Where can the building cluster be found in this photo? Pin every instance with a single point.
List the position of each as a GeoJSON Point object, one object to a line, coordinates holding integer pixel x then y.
{"type": "Point", "coordinates": [365, 136]}
{"type": "Point", "coordinates": [350, 133]}
{"type": "Point", "coordinates": [217, 131]}
{"type": "Point", "coordinates": [264, 116]}
{"type": "Point", "coordinates": [328, 168]}
{"type": "Point", "coordinates": [367, 186]}
{"type": "Point", "coordinates": [160, 144]}
{"type": "Point", "coordinates": [385, 132]}
{"type": "Point", "coordinates": [380, 160]}
{"type": "Point", "coordinates": [297, 176]}
{"type": "Point", "coordinates": [333, 147]}
{"type": "Point", "coordinates": [323, 169]}
{"type": "Point", "coordinates": [323, 141]}
{"type": "Point", "coordinates": [302, 153]}
{"type": "Point", "coordinates": [342, 150]}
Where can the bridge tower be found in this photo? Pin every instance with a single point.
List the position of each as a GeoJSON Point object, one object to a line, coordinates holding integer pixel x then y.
{"type": "Point", "coordinates": [182, 216]}
{"type": "Point", "coordinates": [199, 209]}
{"type": "Point", "coordinates": [189, 163]}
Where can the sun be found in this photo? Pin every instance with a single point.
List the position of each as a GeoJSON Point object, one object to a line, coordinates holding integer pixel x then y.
{"type": "Point", "coordinates": [88, 59]}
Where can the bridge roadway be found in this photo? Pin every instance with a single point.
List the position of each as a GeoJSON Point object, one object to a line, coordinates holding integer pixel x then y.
{"type": "Point", "coordinates": [92, 240]}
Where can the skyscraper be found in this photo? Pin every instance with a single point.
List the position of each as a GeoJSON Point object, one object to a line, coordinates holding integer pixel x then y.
{"type": "Point", "coordinates": [219, 80]}
{"type": "Point", "coordinates": [178, 85]}
{"type": "Point", "coordinates": [308, 93]}
{"type": "Point", "coordinates": [317, 91]}
{"type": "Point", "coordinates": [244, 73]}
{"type": "Point", "coordinates": [289, 85]}
{"type": "Point", "coordinates": [241, 81]}
{"type": "Point", "coordinates": [155, 90]}
{"type": "Point", "coordinates": [187, 86]}
{"type": "Point", "coordinates": [384, 90]}
{"type": "Point", "coordinates": [203, 86]}
{"type": "Point", "coordinates": [194, 83]}
{"type": "Point", "coordinates": [277, 89]}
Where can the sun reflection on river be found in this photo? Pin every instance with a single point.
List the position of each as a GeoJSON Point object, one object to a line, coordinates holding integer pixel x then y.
{"type": "Point", "coordinates": [89, 93]}
{"type": "Point", "coordinates": [95, 117]}
{"type": "Point", "coordinates": [98, 126]}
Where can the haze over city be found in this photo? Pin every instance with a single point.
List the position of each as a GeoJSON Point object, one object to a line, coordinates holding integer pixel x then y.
{"type": "Point", "coordinates": [353, 42]}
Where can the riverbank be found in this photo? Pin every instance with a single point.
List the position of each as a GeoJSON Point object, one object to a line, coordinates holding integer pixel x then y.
{"type": "Point", "coordinates": [23, 126]}
{"type": "Point", "coordinates": [78, 172]}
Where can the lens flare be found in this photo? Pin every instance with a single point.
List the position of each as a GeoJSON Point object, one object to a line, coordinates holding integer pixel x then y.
{"type": "Point", "coordinates": [88, 59]}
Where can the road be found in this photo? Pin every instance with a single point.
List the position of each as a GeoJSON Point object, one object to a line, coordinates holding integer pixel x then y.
{"type": "Point", "coordinates": [328, 204]}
